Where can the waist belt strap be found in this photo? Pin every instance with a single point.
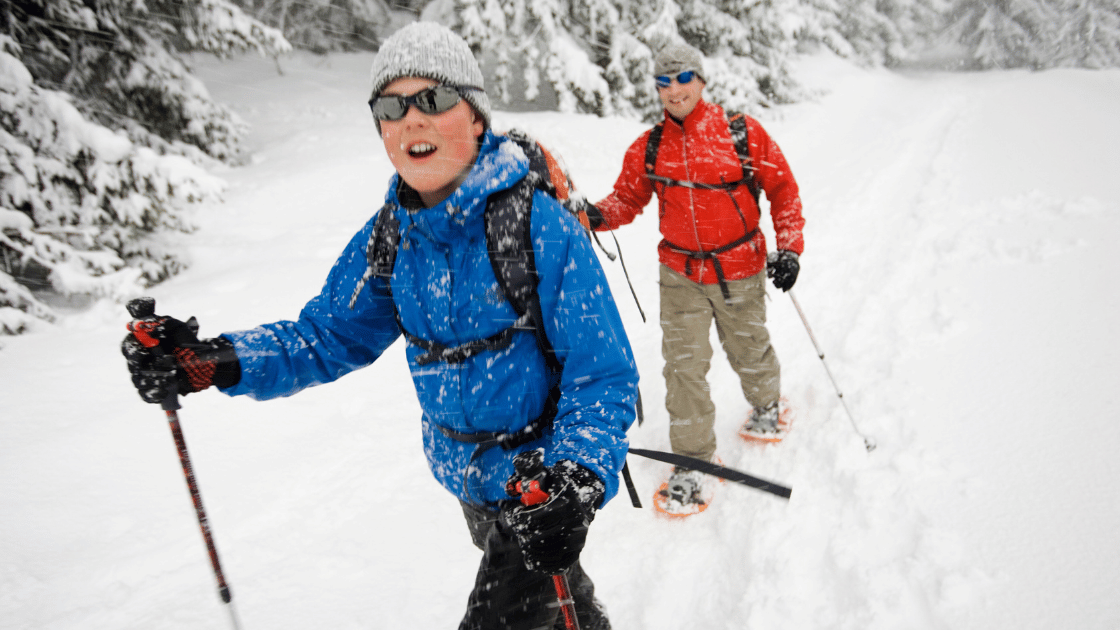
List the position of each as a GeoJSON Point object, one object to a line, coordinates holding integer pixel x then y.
{"type": "Point", "coordinates": [486, 440]}
{"type": "Point", "coordinates": [713, 255]}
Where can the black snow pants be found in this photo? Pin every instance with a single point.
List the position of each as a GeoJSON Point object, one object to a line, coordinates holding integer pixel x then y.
{"type": "Point", "coordinates": [507, 596]}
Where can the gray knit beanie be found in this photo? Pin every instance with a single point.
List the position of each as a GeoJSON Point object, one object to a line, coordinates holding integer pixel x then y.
{"type": "Point", "coordinates": [674, 58]}
{"type": "Point", "coordinates": [431, 51]}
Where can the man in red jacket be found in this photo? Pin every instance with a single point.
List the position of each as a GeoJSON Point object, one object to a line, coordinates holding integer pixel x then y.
{"type": "Point", "coordinates": [713, 256]}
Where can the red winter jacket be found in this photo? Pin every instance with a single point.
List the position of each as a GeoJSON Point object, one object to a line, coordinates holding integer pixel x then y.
{"type": "Point", "coordinates": [702, 151]}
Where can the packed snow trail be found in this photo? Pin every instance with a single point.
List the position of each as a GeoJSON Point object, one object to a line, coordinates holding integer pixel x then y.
{"type": "Point", "coordinates": [960, 252]}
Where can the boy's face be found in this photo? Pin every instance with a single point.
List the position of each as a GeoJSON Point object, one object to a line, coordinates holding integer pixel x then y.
{"type": "Point", "coordinates": [679, 99]}
{"type": "Point", "coordinates": [432, 153]}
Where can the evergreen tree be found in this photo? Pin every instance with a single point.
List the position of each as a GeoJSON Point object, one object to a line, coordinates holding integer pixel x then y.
{"type": "Point", "coordinates": [1006, 33]}
{"type": "Point", "coordinates": [1090, 37]}
{"type": "Point", "coordinates": [747, 48]}
{"type": "Point", "coordinates": [102, 134]}
{"type": "Point", "coordinates": [567, 43]}
{"type": "Point", "coordinates": [598, 54]}
{"type": "Point", "coordinates": [323, 26]}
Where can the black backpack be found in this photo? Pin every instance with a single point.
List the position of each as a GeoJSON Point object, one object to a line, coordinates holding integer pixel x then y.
{"type": "Point", "coordinates": [508, 240]}
{"type": "Point", "coordinates": [507, 220]}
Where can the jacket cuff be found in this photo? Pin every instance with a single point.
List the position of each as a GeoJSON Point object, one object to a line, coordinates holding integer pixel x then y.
{"type": "Point", "coordinates": [227, 368]}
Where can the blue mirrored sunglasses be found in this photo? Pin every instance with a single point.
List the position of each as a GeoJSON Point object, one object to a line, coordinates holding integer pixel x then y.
{"type": "Point", "coordinates": [665, 80]}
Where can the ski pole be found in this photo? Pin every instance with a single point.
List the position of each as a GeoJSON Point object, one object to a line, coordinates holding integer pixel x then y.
{"type": "Point", "coordinates": [867, 442]}
{"type": "Point", "coordinates": [530, 492]}
{"type": "Point", "coordinates": [143, 310]}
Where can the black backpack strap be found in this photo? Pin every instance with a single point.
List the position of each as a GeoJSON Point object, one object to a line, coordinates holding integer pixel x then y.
{"type": "Point", "coordinates": [435, 351]}
{"type": "Point", "coordinates": [381, 251]}
{"type": "Point", "coordinates": [538, 164]}
{"type": "Point", "coordinates": [509, 240]}
{"type": "Point", "coordinates": [737, 123]}
{"type": "Point", "coordinates": [653, 145]}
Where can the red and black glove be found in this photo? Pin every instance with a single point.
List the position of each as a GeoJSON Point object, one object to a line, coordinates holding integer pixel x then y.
{"type": "Point", "coordinates": [165, 356]}
{"type": "Point", "coordinates": [551, 519]}
{"type": "Point", "coordinates": [782, 267]}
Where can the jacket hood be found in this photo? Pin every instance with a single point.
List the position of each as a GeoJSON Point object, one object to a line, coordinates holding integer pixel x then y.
{"type": "Point", "coordinates": [500, 165]}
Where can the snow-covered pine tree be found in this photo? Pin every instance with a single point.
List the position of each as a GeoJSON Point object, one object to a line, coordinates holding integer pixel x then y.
{"type": "Point", "coordinates": [102, 133]}
{"type": "Point", "coordinates": [567, 43]}
{"type": "Point", "coordinates": [873, 35]}
{"type": "Point", "coordinates": [597, 55]}
{"type": "Point", "coordinates": [1090, 34]}
{"type": "Point", "coordinates": [748, 47]}
{"type": "Point", "coordinates": [1006, 33]}
{"type": "Point", "coordinates": [323, 26]}
{"type": "Point", "coordinates": [917, 21]}
{"type": "Point", "coordinates": [1037, 33]}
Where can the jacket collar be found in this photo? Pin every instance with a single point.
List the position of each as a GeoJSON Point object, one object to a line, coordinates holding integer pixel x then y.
{"type": "Point", "coordinates": [499, 166]}
{"type": "Point", "coordinates": [702, 110]}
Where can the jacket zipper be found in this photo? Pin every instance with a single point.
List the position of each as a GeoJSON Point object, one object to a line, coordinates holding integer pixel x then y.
{"type": "Point", "coordinates": [691, 200]}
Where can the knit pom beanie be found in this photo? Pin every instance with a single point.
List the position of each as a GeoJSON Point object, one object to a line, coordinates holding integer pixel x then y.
{"type": "Point", "coordinates": [677, 57]}
{"type": "Point", "coordinates": [430, 51]}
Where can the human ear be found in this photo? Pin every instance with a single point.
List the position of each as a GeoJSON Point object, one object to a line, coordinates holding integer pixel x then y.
{"type": "Point", "coordinates": [477, 126]}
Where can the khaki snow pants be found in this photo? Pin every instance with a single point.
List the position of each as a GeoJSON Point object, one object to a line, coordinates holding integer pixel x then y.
{"type": "Point", "coordinates": [687, 311]}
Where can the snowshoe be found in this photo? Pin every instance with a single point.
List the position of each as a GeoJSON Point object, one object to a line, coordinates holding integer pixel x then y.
{"type": "Point", "coordinates": [685, 493]}
{"type": "Point", "coordinates": [768, 424]}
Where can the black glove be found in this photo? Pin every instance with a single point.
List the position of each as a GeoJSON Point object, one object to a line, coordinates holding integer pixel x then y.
{"type": "Point", "coordinates": [594, 215]}
{"type": "Point", "coordinates": [165, 356]}
{"type": "Point", "coordinates": [551, 533]}
{"type": "Point", "coordinates": [782, 266]}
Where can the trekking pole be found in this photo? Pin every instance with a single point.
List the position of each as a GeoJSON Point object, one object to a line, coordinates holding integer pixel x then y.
{"type": "Point", "coordinates": [143, 310]}
{"type": "Point", "coordinates": [530, 492]}
{"type": "Point", "coordinates": [866, 441]}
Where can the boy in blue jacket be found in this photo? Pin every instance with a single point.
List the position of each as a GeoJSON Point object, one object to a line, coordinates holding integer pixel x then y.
{"type": "Point", "coordinates": [488, 386]}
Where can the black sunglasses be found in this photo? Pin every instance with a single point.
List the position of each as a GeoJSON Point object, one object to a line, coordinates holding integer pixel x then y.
{"type": "Point", "coordinates": [665, 80]}
{"type": "Point", "coordinates": [434, 100]}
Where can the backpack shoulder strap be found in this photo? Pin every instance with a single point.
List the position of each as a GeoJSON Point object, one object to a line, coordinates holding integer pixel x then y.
{"type": "Point", "coordinates": [381, 250]}
{"type": "Point", "coordinates": [653, 145]}
{"type": "Point", "coordinates": [551, 176]}
{"type": "Point", "coordinates": [737, 123]}
{"type": "Point", "coordinates": [509, 241]}
{"type": "Point", "coordinates": [539, 161]}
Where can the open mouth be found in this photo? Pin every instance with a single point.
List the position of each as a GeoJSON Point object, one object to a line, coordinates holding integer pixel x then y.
{"type": "Point", "coordinates": [421, 149]}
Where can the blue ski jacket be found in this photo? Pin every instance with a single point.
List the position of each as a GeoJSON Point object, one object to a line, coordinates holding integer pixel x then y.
{"type": "Point", "coordinates": [444, 289]}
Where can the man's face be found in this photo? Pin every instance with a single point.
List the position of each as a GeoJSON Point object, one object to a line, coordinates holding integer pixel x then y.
{"type": "Point", "coordinates": [433, 153]}
{"type": "Point", "coordinates": [679, 99]}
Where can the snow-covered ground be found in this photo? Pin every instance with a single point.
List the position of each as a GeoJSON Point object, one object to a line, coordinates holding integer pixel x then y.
{"type": "Point", "coordinates": [960, 275]}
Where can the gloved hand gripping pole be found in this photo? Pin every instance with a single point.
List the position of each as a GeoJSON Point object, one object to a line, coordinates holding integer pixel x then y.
{"type": "Point", "coordinates": [144, 323]}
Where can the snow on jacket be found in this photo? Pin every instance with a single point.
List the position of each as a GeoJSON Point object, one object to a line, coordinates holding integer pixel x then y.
{"type": "Point", "coordinates": [445, 290]}
{"type": "Point", "coordinates": [701, 150]}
